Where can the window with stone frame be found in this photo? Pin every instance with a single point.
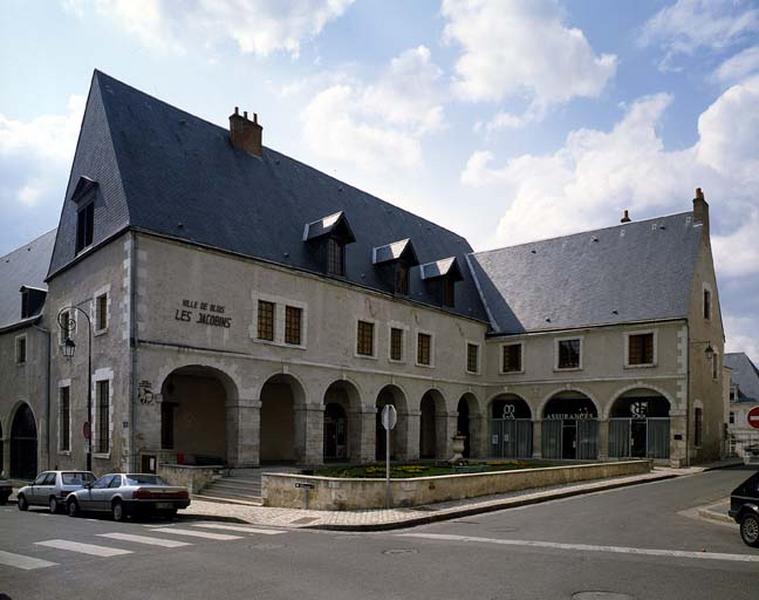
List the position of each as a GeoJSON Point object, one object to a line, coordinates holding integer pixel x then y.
{"type": "Point", "coordinates": [396, 344]}
{"type": "Point", "coordinates": [266, 320]}
{"type": "Point", "coordinates": [707, 304]}
{"type": "Point", "coordinates": [101, 312]}
{"type": "Point", "coordinates": [472, 358]}
{"type": "Point", "coordinates": [698, 426]}
{"type": "Point", "coordinates": [365, 338]}
{"type": "Point", "coordinates": [640, 349]}
{"type": "Point", "coordinates": [103, 417]}
{"type": "Point", "coordinates": [21, 350]}
{"type": "Point", "coordinates": [569, 354]}
{"type": "Point", "coordinates": [512, 358]}
{"type": "Point", "coordinates": [293, 324]}
{"type": "Point", "coordinates": [424, 349]}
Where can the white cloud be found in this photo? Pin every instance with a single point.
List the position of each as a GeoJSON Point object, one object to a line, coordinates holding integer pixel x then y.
{"type": "Point", "coordinates": [689, 25]}
{"type": "Point", "coordinates": [522, 48]}
{"type": "Point", "coordinates": [256, 27]}
{"type": "Point", "coordinates": [738, 335]}
{"type": "Point", "coordinates": [739, 66]}
{"type": "Point", "coordinates": [378, 126]}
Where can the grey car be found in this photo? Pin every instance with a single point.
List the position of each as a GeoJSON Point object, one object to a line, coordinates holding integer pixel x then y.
{"type": "Point", "coordinates": [50, 488]}
{"type": "Point", "coordinates": [124, 494]}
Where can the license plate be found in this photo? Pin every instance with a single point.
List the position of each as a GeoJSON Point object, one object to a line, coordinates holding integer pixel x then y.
{"type": "Point", "coordinates": [162, 505]}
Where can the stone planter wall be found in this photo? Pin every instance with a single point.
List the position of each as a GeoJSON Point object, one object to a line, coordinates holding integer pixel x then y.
{"type": "Point", "coordinates": [331, 493]}
{"type": "Point", "coordinates": [192, 477]}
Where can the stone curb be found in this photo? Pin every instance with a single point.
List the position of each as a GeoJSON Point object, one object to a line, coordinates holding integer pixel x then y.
{"type": "Point", "coordinates": [474, 510]}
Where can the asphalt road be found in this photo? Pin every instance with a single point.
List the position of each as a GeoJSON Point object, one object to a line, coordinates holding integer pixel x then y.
{"type": "Point", "coordinates": [632, 541]}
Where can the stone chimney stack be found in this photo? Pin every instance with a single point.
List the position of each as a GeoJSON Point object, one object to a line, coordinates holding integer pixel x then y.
{"type": "Point", "coordinates": [244, 133]}
{"type": "Point", "coordinates": [700, 209]}
{"type": "Point", "coordinates": [625, 218]}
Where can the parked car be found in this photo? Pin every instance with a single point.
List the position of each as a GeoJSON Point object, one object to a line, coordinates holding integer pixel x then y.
{"type": "Point", "coordinates": [123, 494]}
{"type": "Point", "coordinates": [5, 491]}
{"type": "Point", "coordinates": [744, 508]}
{"type": "Point", "coordinates": [50, 488]}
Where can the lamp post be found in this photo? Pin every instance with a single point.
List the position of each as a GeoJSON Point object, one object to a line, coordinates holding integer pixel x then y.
{"type": "Point", "coordinates": [68, 348]}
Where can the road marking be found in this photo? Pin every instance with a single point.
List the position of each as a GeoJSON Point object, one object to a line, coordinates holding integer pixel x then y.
{"type": "Point", "coordinates": [92, 549]}
{"type": "Point", "coordinates": [143, 539]}
{"type": "Point", "coordinates": [201, 534]}
{"type": "Point", "coordinates": [752, 558]}
{"type": "Point", "coordinates": [242, 528]}
{"type": "Point", "coordinates": [23, 562]}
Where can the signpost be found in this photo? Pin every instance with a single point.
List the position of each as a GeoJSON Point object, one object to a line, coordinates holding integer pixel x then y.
{"type": "Point", "coordinates": [753, 417]}
{"type": "Point", "coordinates": [389, 419]}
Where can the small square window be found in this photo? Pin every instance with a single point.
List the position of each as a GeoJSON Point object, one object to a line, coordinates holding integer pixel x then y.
{"type": "Point", "coordinates": [472, 358]}
{"type": "Point", "coordinates": [569, 354]}
{"type": "Point", "coordinates": [396, 344]}
{"type": "Point", "coordinates": [365, 338]}
{"type": "Point", "coordinates": [101, 312]}
{"type": "Point", "coordinates": [265, 320]}
{"type": "Point", "coordinates": [21, 350]}
{"type": "Point", "coordinates": [424, 349]}
{"type": "Point", "coordinates": [512, 358]}
{"type": "Point", "coordinates": [293, 320]}
{"type": "Point", "coordinates": [640, 349]}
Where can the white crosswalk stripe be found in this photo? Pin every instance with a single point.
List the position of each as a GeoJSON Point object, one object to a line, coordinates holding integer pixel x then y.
{"type": "Point", "coordinates": [91, 549]}
{"type": "Point", "coordinates": [195, 533]}
{"type": "Point", "coordinates": [143, 539]}
{"type": "Point", "coordinates": [20, 561]}
{"type": "Point", "coordinates": [240, 528]}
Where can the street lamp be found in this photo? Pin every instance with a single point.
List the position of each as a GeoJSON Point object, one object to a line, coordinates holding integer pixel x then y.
{"type": "Point", "coordinates": [68, 326]}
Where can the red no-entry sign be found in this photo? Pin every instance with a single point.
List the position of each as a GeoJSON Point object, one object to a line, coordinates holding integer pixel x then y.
{"type": "Point", "coordinates": [753, 417]}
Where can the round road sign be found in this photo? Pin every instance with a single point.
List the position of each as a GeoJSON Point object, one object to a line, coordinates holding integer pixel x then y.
{"type": "Point", "coordinates": [753, 417]}
{"type": "Point", "coordinates": [389, 416]}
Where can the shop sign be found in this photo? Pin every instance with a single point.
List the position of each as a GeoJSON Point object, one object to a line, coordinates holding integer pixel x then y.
{"type": "Point", "coordinates": [203, 313]}
{"type": "Point", "coordinates": [580, 415]}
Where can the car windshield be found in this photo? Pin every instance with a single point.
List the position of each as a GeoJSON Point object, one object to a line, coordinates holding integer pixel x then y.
{"type": "Point", "coordinates": [140, 479]}
{"type": "Point", "coordinates": [77, 478]}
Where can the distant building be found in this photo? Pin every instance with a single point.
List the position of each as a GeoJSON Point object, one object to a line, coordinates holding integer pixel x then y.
{"type": "Point", "coordinates": [247, 308]}
{"type": "Point", "coordinates": [744, 395]}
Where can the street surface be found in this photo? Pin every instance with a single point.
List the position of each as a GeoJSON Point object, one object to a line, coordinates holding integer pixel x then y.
{"type": "Point", "coordinates": [634, 542]}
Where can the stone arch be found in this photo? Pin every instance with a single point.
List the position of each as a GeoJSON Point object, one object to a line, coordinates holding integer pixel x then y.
{"type": "Point", "coordinates": [432, 424]}
{"type": "Point", "coordinates": [639, 423]}
{"type": "Point", "coordinates": [197, 414]}
{"type": "Point", "coordinates": [510, 420]}
{"type": "Point", "coordinates": [469, 423]}
{"type": "Point", "coordinates": [522, 409]}
{"type": "Point", "coordinates": [342, 421]}
{"type": "Point", "coordinates": [633, 387]}
{"type": "Point", "coordinates": [282, 423]}
{"type": "Point", "coordinates": [392, 394]}
{"type": "Point", "coordinates": [23, 433]}
{"type": "Point", "coordinates": [538, 414]}
{"type": "Point", "coordinates": [569, 428]}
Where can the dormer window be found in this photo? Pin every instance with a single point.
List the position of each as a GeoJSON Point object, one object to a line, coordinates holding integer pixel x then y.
{"type": "Point", "coordinates": [440, 277]}
{"type": "Point", "coordinates": [394, 261]}
{"type": "Point", "coordinates": [328, 237]}
{"type": "Point", "coordinates": [32, 300]}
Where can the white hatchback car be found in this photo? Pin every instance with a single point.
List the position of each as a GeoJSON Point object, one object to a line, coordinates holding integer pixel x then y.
{"type": "Point", "coordinates": [50, 489]}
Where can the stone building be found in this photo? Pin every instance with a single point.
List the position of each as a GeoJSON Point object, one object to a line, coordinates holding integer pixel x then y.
{"type": "Point", "coordinates": [247, 308]}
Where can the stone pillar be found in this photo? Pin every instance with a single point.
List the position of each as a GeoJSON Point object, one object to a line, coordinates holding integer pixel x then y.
{"type": "Point", "coordinates": [363, 425]}
{"type": "Point", "coordinates": [412, 421]}
{"type": "Point", "coordinates": [537, 439]}
{"type": "Point", "coordinates": [478, 436]}
{"type": "Point", "coordinates": [309, 434]}
{"type": "Point", "coordinates": [603, 439]}
{"type": "Point", "coordinates": [678, 426]}
{"type": "Point", "coordinates": [243, 431]}
{"type": "Point", "coordinates": [445, 428]}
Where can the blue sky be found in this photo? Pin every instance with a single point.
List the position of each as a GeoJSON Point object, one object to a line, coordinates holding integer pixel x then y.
{"type": "Point", "coordinates": [505, 121]}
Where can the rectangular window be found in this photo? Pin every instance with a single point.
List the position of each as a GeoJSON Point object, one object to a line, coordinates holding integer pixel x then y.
{"type": "Point", "coordinates": [715, 365]}
{"type": "Point", "coordinates": [569, 354]}
{"type": "Point", "coordinates": [335, 257]}
{"type": "Point", "coordinates": [64, 320]}
{"type": "Point", "coordinates": [103, 403]}
{"type": "Point", "coordinates": [101, 312]}
{"type": "Point", "coordinates": [449, 291]}
{"type": "Point", "coordinates": [64, 411]}
{"type": "Point", "coordinates": [396, 343]}
{"type": "Point", "coordinates": [85, 222]}
{"type": "Point", "coordinates": [424, 348]}
{"type": "Point", "coordinates": [21, 350]}
{"type": "Point", "coordinates": [731, 418]}
{"type": "Point", "coordinates": [699, 425]}
{"type": "Point", "coordinates": [266, 320]}
{"type": "Point", "coordinates": [293, 318]}
{"type": "Point", "coordinates": [167, 425]}
{"type": "Point", "coordinates": [365, 338]}
{"type": "Point", "coordinates": [640, 349]}
{"type": "Point", "coordinates": [707, 304]}
{"type": "Point", "coordinates": [401, 279]}
{"type": "Point", "coordinates": [512, 358]}
{"type": "Point", "coordinates": [472, 358]}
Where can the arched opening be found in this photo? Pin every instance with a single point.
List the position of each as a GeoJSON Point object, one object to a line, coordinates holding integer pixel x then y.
{"type": "Point", "coordinates": [194, 415]}
{"type": "Point", "coordinates": [570, 427]}
{"type": "Point", "coordinates": [510, 427]}
{"type": "Point", "coordinates": [24, 444]}
{"type": "Point", "coordinates": [468, 424]}
{"type": "Point", "coordinates": [279, 397]}
{"type": "Point", "coordinates": [391, 394]}
{"type": "Point", "coordinates": [639, 425]}
{"type": "Point", "coordinates": [432, 425]}
{"type": "Point", "coordinates": [342, 422]}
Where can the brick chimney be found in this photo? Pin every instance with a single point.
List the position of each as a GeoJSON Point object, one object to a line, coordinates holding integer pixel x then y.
{"type": "Point", "coordinates": [244, 133]}
{"type": "Point", "coordinates": [700, 209]}
{"type": "Point", "coordinates": [626, 217]}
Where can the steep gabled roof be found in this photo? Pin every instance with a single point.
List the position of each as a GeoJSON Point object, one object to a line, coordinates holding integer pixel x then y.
{"type": "Point", "coordinates": [25, 266]}
{"type": "Point", "coordinates": [637, 271]}
{"type": "Point", "coordinates": [745, 375]}
{"type": "Point", "coordinates": [163, 170]}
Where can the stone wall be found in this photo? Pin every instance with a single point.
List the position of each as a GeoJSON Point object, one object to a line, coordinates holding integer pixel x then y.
{"type": "Point", "coordinates": [191, 477]}
{"type": "Point", "coordinates": [329, 493]}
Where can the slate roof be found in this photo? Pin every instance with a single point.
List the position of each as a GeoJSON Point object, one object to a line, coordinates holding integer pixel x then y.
{"type": "Point", "coordinates": [745, 375]}
{"type": "Point", "coordinates": [25, 266]}
{"type": "Point", "coordinates": [166, 171]}
{"type": "Point", "coordinates": [636, 271]}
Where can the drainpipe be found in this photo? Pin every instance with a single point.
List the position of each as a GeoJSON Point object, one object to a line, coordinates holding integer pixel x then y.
{"type": "Point", "coordinates": [132, 350]}
{"type": "Point", "coordinates": [47, 390]}
{"type": "Point", "coordinates": [688, 399]}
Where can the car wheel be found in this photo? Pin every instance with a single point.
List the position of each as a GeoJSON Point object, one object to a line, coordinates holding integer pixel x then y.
{"type": "Point", "coordinates": [53, 505]}
{"type": "Point", "coordinates": [750, 530]}
{"type": "Point", "coordinates": [22, 502]}
{"type": "Point", "coordinates": [117, 510]}
{"type": "Point", "coordinates": [73, 508]}
{"type": "Point", "coordinates": [171, 514]}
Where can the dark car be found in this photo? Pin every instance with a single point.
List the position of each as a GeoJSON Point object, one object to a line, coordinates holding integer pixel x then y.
{"type": "Point", "coordinates": [744, 508]}
{"type": "Point", "coordinates": [5, 491]}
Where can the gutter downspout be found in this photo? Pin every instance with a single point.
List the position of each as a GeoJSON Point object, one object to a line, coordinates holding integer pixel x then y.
{"type": "Point", "coordinates": [47, 389]}
{"type": "Point", "coordinates": [688, 398]}
{"type": "Point", "coordinates": [132, 350]}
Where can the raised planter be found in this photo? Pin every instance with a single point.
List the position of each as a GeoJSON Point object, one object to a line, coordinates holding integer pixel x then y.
{"type": "Point", "coordinates": [192, 477]}
{"type": "Point", "coordinates": [332, 493]}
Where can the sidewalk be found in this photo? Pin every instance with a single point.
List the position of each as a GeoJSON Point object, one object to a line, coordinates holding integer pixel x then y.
{"type": "Point", "coordinates": [397, 518]}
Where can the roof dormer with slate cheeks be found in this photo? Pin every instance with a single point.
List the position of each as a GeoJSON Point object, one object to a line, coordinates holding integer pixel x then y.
{"type": "Point", "coordinates": [394, 262]}
{"type": "Point", "coordinates": [328, 237]}
{"type": "Point", "coordinates": [440, 277]}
